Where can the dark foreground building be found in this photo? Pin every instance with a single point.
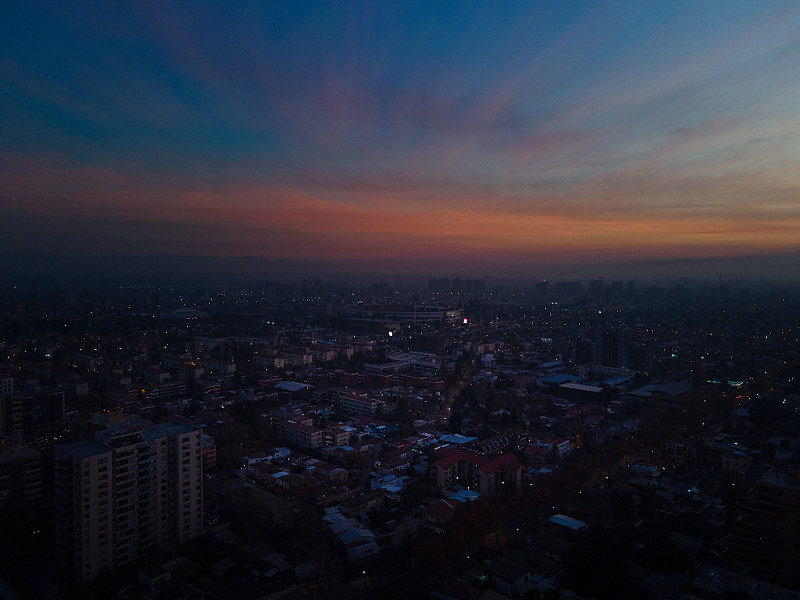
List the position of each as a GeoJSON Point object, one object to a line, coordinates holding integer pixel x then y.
{"type": "Point", "coordinates": [766, 533]}
{"type": "Point", "coordinates": [125, 493]}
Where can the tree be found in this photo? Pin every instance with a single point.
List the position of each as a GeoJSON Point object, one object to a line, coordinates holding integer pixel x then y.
{"type": "Point", "coordinates": [455, 421]}
{"type": "Point", "coordinates": [596, 566]}
{"type": "Point", "coordinates": [762, 409]}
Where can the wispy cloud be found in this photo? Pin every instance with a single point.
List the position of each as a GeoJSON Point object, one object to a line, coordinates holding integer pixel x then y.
{"type": "Point", "coordinates": [322, 131]}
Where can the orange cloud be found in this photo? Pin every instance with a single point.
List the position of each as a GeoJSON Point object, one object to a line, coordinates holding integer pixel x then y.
{"type": "Point", "coordinates": [383, 221]}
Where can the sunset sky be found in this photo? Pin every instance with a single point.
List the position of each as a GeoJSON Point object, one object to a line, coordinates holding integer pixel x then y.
{"type": "Point", "coordinates": [474, 133]}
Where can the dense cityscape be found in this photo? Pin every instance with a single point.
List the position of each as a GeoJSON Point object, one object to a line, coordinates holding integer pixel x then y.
{"type": "Point", "coordinates": [355, 300]}
{"type": "Point", "coordinates": [447, 439]}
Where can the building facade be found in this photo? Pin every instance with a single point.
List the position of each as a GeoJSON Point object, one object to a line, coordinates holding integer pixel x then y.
{"type": "Point", "coordinates": [766, 533]}
{"type": "Point", "coordinates": [301, 434]}
{"type": "Point", "coordinates": [20, 475]}
{"type": "Point", "coordinates": [489, 478]}
{"type": "Point", "coordinates": [127, 492]}
{"type": "Point", "coordinates": [31, 416]}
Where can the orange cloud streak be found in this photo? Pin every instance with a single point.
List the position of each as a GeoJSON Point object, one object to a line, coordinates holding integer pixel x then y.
{"type": "Point", "coordinates": [386, 223]}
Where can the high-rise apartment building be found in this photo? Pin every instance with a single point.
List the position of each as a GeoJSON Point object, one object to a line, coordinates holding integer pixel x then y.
{"type": "Point", "coordinates": [766, 534]}
{"type": "Point", "coordinates": [20, 475]}
{"type": "Point", "coordinates": [31, 416]}
{"type": "Point", "coordinates": [185, 477]}
{"type": "Point", "coordinates": [612, 349]}
{"type": "Point", "coordinates": [127, 492]}
{"type": "Point", "coordinates": [83, 509]}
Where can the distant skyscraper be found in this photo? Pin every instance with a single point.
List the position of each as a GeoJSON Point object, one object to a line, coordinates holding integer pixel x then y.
{"type": "Point", "coordinates": [612, 349]}
{"type": "Point", "coordinates": [639, 357]}
{"type": "Point", "coordinates": [587, 351]}
{"type": "Point", "coordinates": [125, 493]}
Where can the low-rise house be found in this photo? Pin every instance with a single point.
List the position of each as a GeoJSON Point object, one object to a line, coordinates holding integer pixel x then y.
{"type": "Point", "coordinates": [560, 446]}
{"type": "Point", "coordinates": [568, 526]}
{"type": "Point", "coordinates": [441, 511]}
{"type": "Point", "coordinates": [380, 481]}
{"type": "Point", "coordinates": [358, 544]}
{"type": "Point", "coordinates": [393, 462]}
{"type": "Point", "coordinates": [327, 471]}
{"type": "Point", "coordinates": [538, 455]}
{"type": "Point", "coordinates": [262, 471]}
{"type": "Point", "coordinates": [359, 505]}
{"type": "Point", "coordinates": [507, 577]}
{"type": "Point", "coordinates": [552, 545]}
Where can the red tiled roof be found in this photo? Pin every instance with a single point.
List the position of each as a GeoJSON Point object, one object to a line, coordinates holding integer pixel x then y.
{"type": "Point", "coordinates": [459, 456]}
{"type": "Point", "coordinates": [502, 461]}
{"type": "Point", "coordinates": [448, 450]}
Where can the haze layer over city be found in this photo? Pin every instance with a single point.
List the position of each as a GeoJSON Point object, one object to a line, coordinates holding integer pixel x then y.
{"type": "Point", "coordinates": [425, 300]}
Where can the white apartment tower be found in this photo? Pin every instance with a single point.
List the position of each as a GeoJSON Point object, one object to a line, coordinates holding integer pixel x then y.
{"type": "Point", "coordinates": [127, 492]}
{"type": "Point", "coordinates": [184, 474]}
{"type": "Point", "coordinates": [83, 509]}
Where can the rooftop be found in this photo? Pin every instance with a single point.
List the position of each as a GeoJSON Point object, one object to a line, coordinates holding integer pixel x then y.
{"type": "Point", "coordinates": [84, 449]}
{"type": "Point", "coordinates": [568, 522]}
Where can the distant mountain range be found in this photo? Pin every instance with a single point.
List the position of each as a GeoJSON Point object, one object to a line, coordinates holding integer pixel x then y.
{"type": "Point", "coordinates": [68, 271]}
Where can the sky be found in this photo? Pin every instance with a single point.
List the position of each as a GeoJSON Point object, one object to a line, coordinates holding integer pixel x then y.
{"type": "Point", "coordinates": [469, 134]}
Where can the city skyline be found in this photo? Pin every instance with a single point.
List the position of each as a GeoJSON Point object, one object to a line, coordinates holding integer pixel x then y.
{"type": "Point", "coordinates": [449, 135]}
